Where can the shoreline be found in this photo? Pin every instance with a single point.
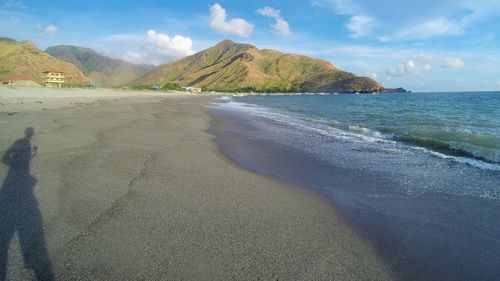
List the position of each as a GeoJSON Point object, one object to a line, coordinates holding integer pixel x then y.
{"type": "Point", "coordinates": [419, 234]}
{"type": "Point", "coordinates": [137, 188]}
{"type": "Point", "coordinates": [44, 92]}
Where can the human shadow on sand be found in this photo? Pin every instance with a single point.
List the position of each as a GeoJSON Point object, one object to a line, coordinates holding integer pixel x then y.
{"type": "Point", "coordinates": [19, 211]}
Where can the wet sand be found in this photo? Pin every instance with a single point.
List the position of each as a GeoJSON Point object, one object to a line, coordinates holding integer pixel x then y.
{"type": "Point", "coordinates": [420, 235]}
{"type": "Point", "coordinates": [133, 188]}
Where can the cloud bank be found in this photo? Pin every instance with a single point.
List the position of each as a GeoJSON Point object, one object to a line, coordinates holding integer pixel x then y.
{"type": "Point", "coordinates": [413, 20]}
{"type": "Point", "coordinates": [160, 48]}
{"type": "Point", "coordinates": [15, 4]}
{"type": "Point", "coordinates": [218, 21]}
{"type": "Point", "coordinates": [360, 26]}
{"type": "Point", "coordinates": [281, 26]}
{"type": "Point", "coordinates": [422, 63]}
{"type": "Point", "coordinates": [48, 30]}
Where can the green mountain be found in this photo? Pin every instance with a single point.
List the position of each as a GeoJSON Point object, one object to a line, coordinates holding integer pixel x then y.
{"type": "Point", "coordinates": [104, 71]}
{"type": "Point", "coordinates": [233, 67]}
{"type": "Point", "coordinates": [24, 58]}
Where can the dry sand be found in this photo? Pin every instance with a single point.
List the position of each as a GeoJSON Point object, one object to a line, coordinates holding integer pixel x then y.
{"type": "Point", "coordinates": [133, 188]}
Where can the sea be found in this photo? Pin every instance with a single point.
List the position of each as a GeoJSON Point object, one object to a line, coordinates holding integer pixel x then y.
{"type": "Point", "coordinates": [417, 175]}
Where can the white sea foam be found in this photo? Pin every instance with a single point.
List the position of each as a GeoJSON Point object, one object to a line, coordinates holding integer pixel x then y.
{"type": "Point", "coordinates": [463, 160]}
{"type": "Point", "coordinates": [366, 131]}
{"type": "Point", "coordinates": [226, 99]}
{"type": "Point", "coordinates": [357, 134]}
{"type": "Point", "coordinates": [306, 123]}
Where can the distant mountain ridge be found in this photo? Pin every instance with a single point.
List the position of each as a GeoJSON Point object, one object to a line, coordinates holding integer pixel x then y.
{"type": "Point", "coordinates": [225, 67]}
{"type": "Point", "coordinates": [234, 67]}
{"type": "Point", "coordinates": [103, 70]}
{"type": "Point", "coordinates": [23, 58]}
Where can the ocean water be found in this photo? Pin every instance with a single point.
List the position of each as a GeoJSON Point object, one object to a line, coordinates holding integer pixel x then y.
{"type": "Point", "coordinates": [454, 124]}
{"type": "Point", "coordinates": [417, 175]}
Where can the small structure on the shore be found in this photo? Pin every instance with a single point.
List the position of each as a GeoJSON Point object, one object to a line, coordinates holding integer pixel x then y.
{"type": "Point", "coordinates": [192, 89]}
{"type": "Point", "coordinates": [53, 78]}
{"type": "Point", "coordinates": [20, 80]}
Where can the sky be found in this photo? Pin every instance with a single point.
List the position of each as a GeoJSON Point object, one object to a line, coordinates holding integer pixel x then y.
{"type": "Point", "coordinates": [424, 45]}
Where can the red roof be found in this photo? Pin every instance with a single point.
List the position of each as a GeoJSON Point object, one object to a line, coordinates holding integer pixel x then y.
{"type": "Point", "coordinates": [18, 77]}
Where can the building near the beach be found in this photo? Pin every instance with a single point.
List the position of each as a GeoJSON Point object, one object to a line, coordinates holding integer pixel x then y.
{"type": "Point", "coordinates": [20, 80]}
{"type": "Point", "coordinates": [53, 78]}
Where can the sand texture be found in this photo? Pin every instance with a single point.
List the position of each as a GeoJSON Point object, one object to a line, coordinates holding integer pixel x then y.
{"type": "Point", "coordinates": [133, 188]}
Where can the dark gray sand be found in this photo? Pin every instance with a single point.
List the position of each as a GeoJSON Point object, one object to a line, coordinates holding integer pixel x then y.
{"type": "Point", "coordinates": [135, 189]}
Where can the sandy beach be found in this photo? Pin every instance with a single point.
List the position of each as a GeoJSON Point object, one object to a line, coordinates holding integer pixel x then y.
{"type": "Point", "coordinates": [131, 186]}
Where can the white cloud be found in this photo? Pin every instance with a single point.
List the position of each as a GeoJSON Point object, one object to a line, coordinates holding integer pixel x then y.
{"type": "Point", "coordinates": [50, 29]}
{"type": "Point", "coordinates": [452, 63]}
{"type": "Point", "coordinates": [343, 7]}
{"type": "Point", "coordinates": [133, 57]}
{"type": "Point", "coordinates": [235, 26]}
{"type": "Point", "coordinates": [360, 26]}
{"type": "Point", "coordinates": [372, 75]}
{"type": "Point", "coordinates": [160, 48]}
{"type": "Point", "coordinates": [14, 4]}
{"type": "Point", "coordinates": [269, 12]}
{"type": "Point", "coordinates": [432, 28]}
{"type": "Point", "coordinates": [409, 67]}
{"type": "Point", "coordinates": [415, 20]}
{"type": "Point", "coordinates": [281, 26]}
{"type": "Point", "coordinates": [366, 52]}
{"type": "Point", "coordinates": [424, 62]}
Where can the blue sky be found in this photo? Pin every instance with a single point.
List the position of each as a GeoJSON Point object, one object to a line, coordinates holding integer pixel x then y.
{"type": "Point", "coordinates": [426, 45]}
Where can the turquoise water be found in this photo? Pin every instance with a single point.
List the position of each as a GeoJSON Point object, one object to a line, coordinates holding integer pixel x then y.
{"type": "Point", "coordinates": [462, 125]}
{"type": "Point", "coordinates": [416, 175]}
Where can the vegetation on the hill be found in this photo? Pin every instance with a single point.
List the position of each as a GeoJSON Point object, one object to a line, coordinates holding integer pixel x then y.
{"type": "Point", "coordinates": [24, 58]}
{"type": "Point", "coordinates": [7, 39]}
{"type": "Point", "coordinates": [225, 67]}
{"type": "Point", "coordinates": [232, 67]}
{"type": "Point", "coordinates": [104, 71]}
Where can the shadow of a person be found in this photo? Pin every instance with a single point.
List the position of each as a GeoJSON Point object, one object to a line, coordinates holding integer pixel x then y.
{"type": "Point", "coordinates": [19, 211]}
